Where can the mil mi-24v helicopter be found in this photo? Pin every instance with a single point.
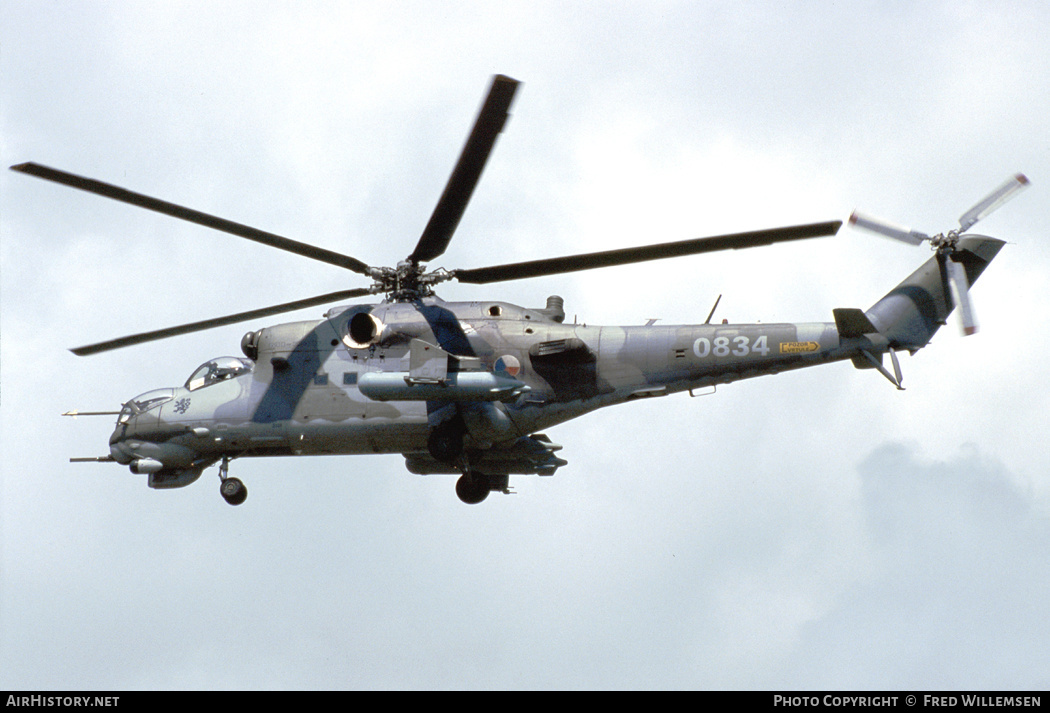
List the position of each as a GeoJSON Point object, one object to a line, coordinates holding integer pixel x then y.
{"type": "Point", "coordinates": [468, 387]}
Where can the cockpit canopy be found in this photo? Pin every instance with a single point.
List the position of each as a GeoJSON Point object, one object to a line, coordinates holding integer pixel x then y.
{"type": "Point", "coordinates": [216, 370]}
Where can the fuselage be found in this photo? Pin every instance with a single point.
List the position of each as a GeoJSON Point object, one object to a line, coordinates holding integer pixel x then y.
{"type": "Point", "coordinates": [299, 392]}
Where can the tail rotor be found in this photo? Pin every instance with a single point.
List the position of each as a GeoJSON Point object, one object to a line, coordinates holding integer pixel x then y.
{"type": "Point", "coordinates": [946, 243]}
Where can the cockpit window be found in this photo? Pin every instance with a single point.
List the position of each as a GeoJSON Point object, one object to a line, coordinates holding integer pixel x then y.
{"type": "Point", "coordinates": [216, 370]}
{"type": "Point", "coordinates": [145, 402]}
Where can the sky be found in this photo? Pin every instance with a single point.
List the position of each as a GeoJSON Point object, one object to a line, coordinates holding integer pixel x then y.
{"type": "Point", "coordinates": [817, 529]}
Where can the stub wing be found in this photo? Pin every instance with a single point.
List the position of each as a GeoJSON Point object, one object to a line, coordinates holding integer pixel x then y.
{"type": "Point", "coordinates": [529, 455]}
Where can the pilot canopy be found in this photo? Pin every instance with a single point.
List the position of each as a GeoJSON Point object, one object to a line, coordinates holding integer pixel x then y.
{"type": "Point", "coordinates": [216, 370]}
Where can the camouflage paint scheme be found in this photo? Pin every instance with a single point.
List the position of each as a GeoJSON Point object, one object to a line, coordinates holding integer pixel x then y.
{"type": "Point", "coordinates": [506, 373]}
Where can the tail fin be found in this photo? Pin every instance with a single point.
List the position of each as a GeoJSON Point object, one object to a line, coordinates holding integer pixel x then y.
{"type": "Point", "coordinates": [910, 314]}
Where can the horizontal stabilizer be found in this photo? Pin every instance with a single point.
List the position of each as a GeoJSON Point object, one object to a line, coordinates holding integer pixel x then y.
{"type": "Point", "coordinates": [852, 322]}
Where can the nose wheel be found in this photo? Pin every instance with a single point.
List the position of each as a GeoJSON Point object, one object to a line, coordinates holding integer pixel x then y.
{"type": "Point", "coordinates": [233, 491]}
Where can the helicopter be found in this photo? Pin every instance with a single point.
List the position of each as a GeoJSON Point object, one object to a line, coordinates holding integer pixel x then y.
{"type": "Point", "coordinates": [468, 388]}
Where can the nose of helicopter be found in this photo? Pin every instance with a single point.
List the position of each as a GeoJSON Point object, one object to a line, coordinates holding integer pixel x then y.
{"type": "Point", "coordinates": [117, 442]}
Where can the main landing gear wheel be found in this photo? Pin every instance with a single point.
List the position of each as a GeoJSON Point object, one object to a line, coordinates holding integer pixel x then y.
{"type": "Point", "coordinates": [232, 490]}
{"type": "Point", "coordinates": [472, 488]}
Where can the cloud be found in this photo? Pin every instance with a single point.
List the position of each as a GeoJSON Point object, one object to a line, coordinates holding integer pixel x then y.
{"type": "Point", "coordinates": [949, 585]}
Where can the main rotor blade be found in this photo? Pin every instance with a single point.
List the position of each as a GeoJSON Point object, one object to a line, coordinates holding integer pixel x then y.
{"type": "Point", "coordinates": [465, 175]}
{"type": "Point", "coordinates": [176, 211]}
{"type": "Point", "coordinates": [993, 201]}
{"type": "Point", "coordinates": [219, 321]}
{"type": "Point", "coordinates": [609, 258]}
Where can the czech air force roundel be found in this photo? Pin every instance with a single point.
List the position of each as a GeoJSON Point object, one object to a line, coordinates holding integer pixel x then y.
{"type": "Point", "coordinates": [508, 365]}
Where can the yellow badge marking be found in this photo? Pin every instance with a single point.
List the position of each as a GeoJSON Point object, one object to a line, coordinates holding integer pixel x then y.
{"type": "Point", "coordinates": [798, 347]}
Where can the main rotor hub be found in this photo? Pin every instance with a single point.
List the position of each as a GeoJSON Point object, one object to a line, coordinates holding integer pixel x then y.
{"type": "Point", "coordinates": [408, 281]}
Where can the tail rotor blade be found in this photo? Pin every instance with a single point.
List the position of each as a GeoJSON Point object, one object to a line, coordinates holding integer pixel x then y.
{"type": "Point", "coordinates": [887, 229]}
{"type": "Point", "coordinates": [960, 289]}
{"type": "Point", "coordinates": [896, 369]}
{"type": "Point", "coordinates": [993, 201]}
